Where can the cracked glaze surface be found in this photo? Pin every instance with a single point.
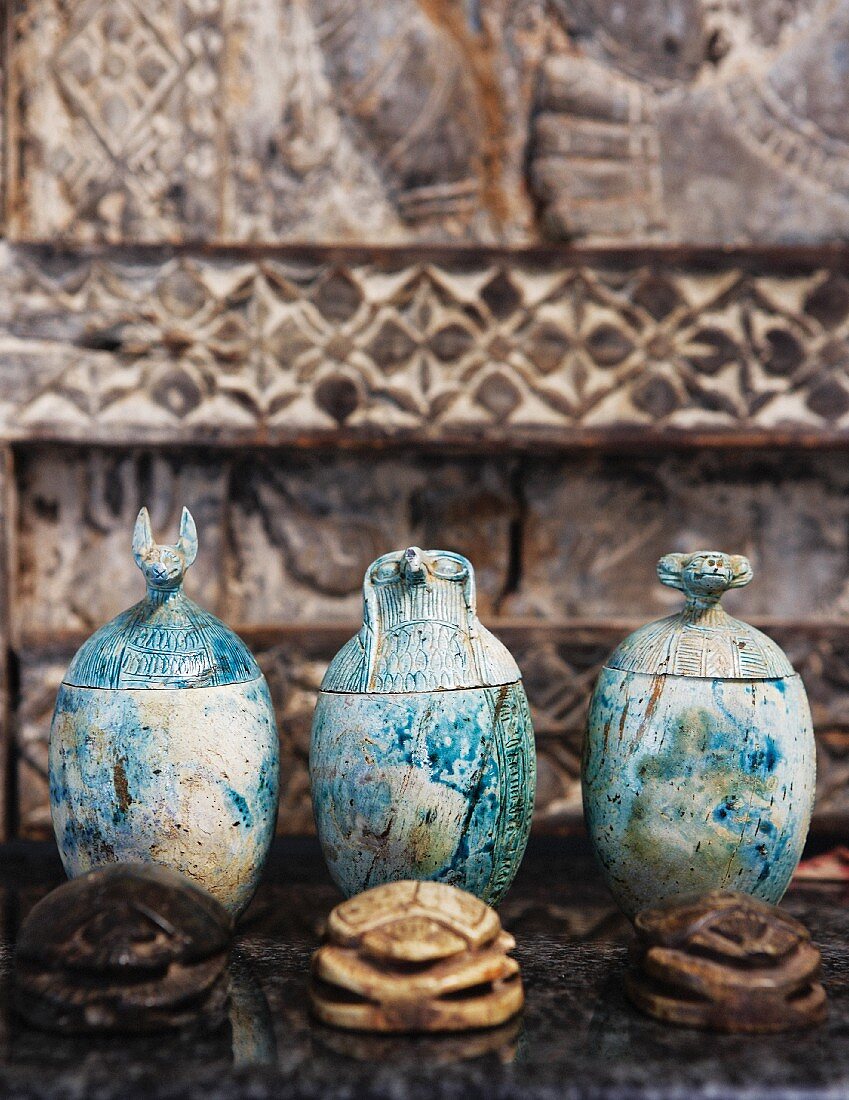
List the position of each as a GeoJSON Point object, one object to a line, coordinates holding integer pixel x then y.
{"type": "Point", "coordinates": [183, 778]}
{"type": "Point", "coordinates": [700, 781]}
{"type": "Point", "coordinates": [163, 746]}
{"type": "Point", "coordinates": [422, 759]}
{"type": "Point", "coordinates": [428, 785]}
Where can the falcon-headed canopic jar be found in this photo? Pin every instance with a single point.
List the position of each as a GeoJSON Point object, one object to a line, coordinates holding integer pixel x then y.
{"type": "Point", "coordinates": [422, 756]}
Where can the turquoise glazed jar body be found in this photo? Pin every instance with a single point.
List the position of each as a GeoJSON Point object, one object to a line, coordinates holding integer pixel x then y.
{"type": "Point", "coordinates": [163, 746]}
{"type": "Point", "coordinates": [422, 757]}
{"type": "Point", "coordinates": [699, 763]}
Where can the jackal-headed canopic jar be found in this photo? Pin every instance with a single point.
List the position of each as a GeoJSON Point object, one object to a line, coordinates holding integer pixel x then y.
{"type": "Point", "coordinates": [163, 747]}
{"type": "Point", "coordinates": [422, 757]}
{"type": "Point", "coordinates": [699, 765]}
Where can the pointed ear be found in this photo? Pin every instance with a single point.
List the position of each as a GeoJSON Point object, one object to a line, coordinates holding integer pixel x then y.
{"type": "Point", "coordinates": [142, 536]}
{"type": "Point", "coordinates": [741, 571]}
{"type": "Point", "coordinates": [188, 541]}
{"type": "Point", "coordinates": [670, 568]}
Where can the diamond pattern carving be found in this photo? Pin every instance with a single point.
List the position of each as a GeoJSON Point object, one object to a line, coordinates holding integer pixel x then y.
{"type": "Point", "coordinates": [117, 69]}
{"type": "Point", "coordinates": [123, 113]}
{"type": "Point", "coordinates": [186, 120]}
{"type": "Point", "coordinates": [279, 348]}
{"type": "Point", "coordinates": [506, 122]}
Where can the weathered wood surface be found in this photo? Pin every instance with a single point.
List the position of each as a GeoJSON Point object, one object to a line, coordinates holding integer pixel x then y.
{"type": "Point", "coordinates": [286, 538]}
{"type": "Point", "coordinates": [315, 120]}
{"type": "Point", "coordinates": [419, 120]}
{"type": "Point", "coordinates": [130, 346]}
{"type": "Point", "coordinates": [694, 121]}
{"type": "Point", "coordinates": [8, 696]}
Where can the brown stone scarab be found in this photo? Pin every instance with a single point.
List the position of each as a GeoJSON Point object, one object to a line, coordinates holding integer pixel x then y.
{"type": "Point", "coordinates": [130, 947]}
{"type": "Point", "coordinates": [415, 956]}
{"type": "Point", "coordinates": [725, 961]}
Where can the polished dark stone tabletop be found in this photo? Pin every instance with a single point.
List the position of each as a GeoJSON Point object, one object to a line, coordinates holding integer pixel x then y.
{"type": "Point", "coordinates": [578, 1036]}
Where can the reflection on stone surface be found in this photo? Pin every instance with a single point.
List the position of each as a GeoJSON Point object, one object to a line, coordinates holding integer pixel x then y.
{"type": "Point", "coordinates": [505, 1042]}
{"type": "Point", "coordinates": [577, 1031]}
{"type": "Point", "coordinates": [251, 1022]}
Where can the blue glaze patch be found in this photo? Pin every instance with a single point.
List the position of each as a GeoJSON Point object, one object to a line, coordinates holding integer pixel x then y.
{"type": "Point", "coordinates": [137, 776]}
{"type": "Point", "coordinates": [435, 785]}
{"type": "Point", "coordinates": [242, 809]}
{"type": "Point", "coordinates": [691, 784]}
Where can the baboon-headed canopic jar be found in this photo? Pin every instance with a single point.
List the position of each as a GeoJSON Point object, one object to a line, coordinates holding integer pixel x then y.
{"type": "Point", "coordinates": [422, 757]}
{"type": "Point", "coordinates": [164, 747]}
{"type": "Point", "coordinates": [699, 767]}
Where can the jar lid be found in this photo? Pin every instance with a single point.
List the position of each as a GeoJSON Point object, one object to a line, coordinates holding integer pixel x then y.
{"type": "Point", "coordinates": [165, 640]}
{"type": "Point", "coordinates": [702, 639]}
{"type": "Point", "coordinates": [420, 630]}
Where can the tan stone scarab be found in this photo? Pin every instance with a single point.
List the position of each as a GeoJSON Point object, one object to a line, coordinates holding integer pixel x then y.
{"type": "Point", "coordinates": [415, 956]}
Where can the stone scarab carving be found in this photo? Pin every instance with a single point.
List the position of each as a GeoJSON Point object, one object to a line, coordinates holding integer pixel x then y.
{"type": "Point", "coordinates": [415, 956]}
{"type": "Point", "coordinates": [726, 962]}
{"type": "Point", "coordinates": [699, 767]}
{"type": "Point", "coordinates": [422, 756]}
{"type": "Point", "coordinates": [131, 947]}
{"type": "Point", "coordinates": [163, 746]}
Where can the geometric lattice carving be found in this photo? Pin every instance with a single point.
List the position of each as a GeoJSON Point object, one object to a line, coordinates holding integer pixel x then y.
{"type": "Point", "coordinates": [318, 120]}
{"type": "Point", "coordinates": [122, 109]}
{"type": "Point", "coordinates": [240, 349]}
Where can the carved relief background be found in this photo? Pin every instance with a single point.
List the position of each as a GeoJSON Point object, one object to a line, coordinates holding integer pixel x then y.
{"type": "Point", "coordinates": [560, 284]}
{"type": "Point", "coordinates": [565, 548]}
{"type": "Point", "coordinates": [513, 121]}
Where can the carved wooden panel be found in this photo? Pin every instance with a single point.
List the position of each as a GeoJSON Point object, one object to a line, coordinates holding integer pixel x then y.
{"type": "Point", "coordinates": [316, 120]}
{"type": "Point", "coordinates": [414, 120]}
{"type": "Point", "coordinates": [8, 697]}
{"type": "Point", "coordinates": [285, 538]}
{"type": "Point", "coordinates": [126, 346]}
{"type": "Point", "coordinates": [694, 121]}
{"type": "Point", "coordinates": [594, 528]}
{"type": "Point", "coordinates": [305, 529]}
{"type": "Point", "coordinates": [39, 677]}
{"type": "Point", "coordinates": [75, 568]}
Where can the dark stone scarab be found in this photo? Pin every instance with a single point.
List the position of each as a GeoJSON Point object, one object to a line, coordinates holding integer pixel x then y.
{"type": "Point", "coordinates": [130, 947]}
